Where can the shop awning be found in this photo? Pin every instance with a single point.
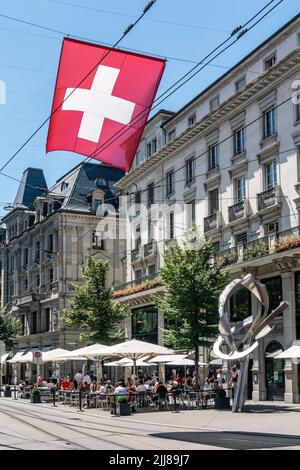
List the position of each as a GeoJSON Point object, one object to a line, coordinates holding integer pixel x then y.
{"type": "Point", "coordinates": [3, 357]}
{"type": "Point", "coordinates": [17, 357]}
{"type": "Point", "coordinates": [291, 353]}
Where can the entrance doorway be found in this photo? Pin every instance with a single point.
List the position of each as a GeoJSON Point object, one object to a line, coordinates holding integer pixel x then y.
{"type": "Point", "coordinates": [274, 372]}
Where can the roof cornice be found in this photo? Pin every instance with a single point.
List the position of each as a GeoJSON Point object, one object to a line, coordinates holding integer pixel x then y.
{"type": "Point", "coordinates": [257, 88]}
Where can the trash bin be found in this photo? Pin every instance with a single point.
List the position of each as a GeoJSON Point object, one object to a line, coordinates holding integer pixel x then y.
{"type": "Point", "coordinates": [222, 403]}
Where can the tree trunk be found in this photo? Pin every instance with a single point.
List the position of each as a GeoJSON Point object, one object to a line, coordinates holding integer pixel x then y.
{"type": "Point", "coordinates": [197, 364]}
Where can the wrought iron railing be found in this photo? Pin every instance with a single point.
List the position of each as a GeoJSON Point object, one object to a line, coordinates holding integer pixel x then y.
{"type": "Point", "coordinates": [237, 211]}
{"type": "Point", "coordinates": [267, 198]}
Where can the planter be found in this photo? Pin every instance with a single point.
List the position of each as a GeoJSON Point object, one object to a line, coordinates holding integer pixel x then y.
{"type": "Point", "coordinates": [35, 399]}
{"type": "Point", "coordinates": [122, 409]}
{"type": "Point", "coordinates": [222, 403]}
{"type": "Point", "coordinates": [7, 393]}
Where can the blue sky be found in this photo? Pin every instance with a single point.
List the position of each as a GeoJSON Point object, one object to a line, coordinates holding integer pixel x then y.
{"type": "Point", "coordinates": [29, 59]}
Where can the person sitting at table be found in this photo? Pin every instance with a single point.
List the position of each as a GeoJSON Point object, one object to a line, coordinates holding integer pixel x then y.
{"type": "Point", "coordinates": [109, 387]}
{"type": "Point", "coordinates": [141, 387]}
{"type": "Point", "coordinates": [94, 386]}
{"type": "Point", "coordinates": [121, 389]}
{"type": "Point", "coordinates": [64, 383]}
{"type": "Point", "coordinates": [39, 381]}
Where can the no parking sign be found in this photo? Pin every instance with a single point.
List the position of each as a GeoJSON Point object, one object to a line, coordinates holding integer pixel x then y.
{"type": "Point", "coordinates": [37, 357]}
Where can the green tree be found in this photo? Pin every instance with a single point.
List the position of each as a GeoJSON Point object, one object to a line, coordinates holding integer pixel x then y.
{"type": "Point", "coordinates": [193, 284]}
{"type": "Point", "coordinates": [9, 328]}
{"type": "Point", "coordinates": [92, 308]}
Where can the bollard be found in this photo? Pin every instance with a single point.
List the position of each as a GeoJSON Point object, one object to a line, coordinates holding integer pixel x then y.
{"type": "Point", "coordinates": [15, 393]}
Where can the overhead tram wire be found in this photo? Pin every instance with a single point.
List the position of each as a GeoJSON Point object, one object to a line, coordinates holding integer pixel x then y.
{"type": "Point", "coordinates": [240, 28]}
{"type": "Point", "coordinates": [126, 31]}
{"type": "Point", "coordinates": [158, 185]}
{"type": "Point", "coordinates": [148, 6]}
{"type": "Point", "coordinates": [239, 32]}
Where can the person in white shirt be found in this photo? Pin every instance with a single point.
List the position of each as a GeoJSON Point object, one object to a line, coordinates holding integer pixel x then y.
{"type": "Point", "coordinates": [121, 389]}
{"type": "Point", "coordinates": [86, 379]}
{"type": "Point", "coordinates": [78, 378]}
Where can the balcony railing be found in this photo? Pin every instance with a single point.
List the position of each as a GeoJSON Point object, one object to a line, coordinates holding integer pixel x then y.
{"type": "Point", "coordinates": [212, 221]}
{"type": "Point", "coordinates": [135, 255]}
{"type": "Point", "coordinates": [237, 211]}
{"type": "Point", "coordinates": [136, 282]}
{"type": "Point", "coordinates": [149, 249]}
{"type": "Point", "coordinates": [268, 198]}
{"type": "Point", "coordinates": [264, 246]}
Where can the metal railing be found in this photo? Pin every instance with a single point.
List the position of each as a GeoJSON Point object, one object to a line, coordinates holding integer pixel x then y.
{"type": "Point", "coordinates": [267, 198]}
{"type": "Point", "coordinates": [210, 222]}
{"type": "Point", "coordinates": [136, 282]}
{"type": "Point", "coordinates": [135, 255]}
{"type": "Point", "coordinates": [237, 211]}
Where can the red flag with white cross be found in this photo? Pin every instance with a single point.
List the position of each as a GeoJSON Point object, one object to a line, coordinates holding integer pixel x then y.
{"type": "Point", "coordinates": [102, 101]}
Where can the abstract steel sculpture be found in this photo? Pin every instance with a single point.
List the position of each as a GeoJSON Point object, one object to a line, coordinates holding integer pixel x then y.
{"type": "Point", "coordinates": [242, 339]}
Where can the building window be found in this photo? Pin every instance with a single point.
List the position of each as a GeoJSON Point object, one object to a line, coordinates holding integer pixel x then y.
{"type": "Point", "coordinates": [214, 103]}
{"type": "Point", "coordinates": [213, 201]}
{"type": "Point", "coordinates": [64, 185]}
{"type": "Point", "coordinates": [239, 141]}
{"type": "Point", "coordinates": [51, 275]}
{"type": "Point", "coordinates": [138, 274]}
{"type": "Point", "coordinates": [190, 170]}
{"type": "Point", "coordinates": [172, 135]}
{"type": "Point", "coordinates": [25, 284]}
{"type": "Point", "coordinates": [150, 191]}
{"type": "Point", "coordinates": [240, 83]}
{"type": "Point", "coordinates": [137, 157]}
{"type": "Point", "coordinates": [38, 280]}
{"type": "Point", "coordinates": [144, 322]}
{"type": "Point", "coordinates": [271, 175]}
{"type": "Point", "coordinates": [138, 240]}
{"type": "Point", "coordinates": [22, 331]}
{"type": "Point", "coordinates": [150, 231]}
{"type": "Point", "coordinates": [241, 238]}
{"type": "Point", "coordinates": [269, 123]}
{"type": "Point", "coordinates": [272, 227]}
{"type": "Point", "coordinates": [151, 270]}
{"type": "Point", "coordinates": [171, 225]}
{"type": "Point", "coordinates": [97, 241]}
{"type": "Point", "coordinates": [137, 201]}
{"type": "Point", "coordinates": [297, 111]}
{"type": "Point", "coordinates": [50, 243]}
{"type": "Point", "coordinates": [37, 252]}
{"type": "Point", "coordinates": [213, 157]}
{"type": "Point", "coordinates": [240, 189]}
{"type": "Point", "coordinates": [47, 319]}
{"type": "Point", "coordinates": [154, 145]}
{"type": "Point", "coordinates": [191, 214]}
{"type": "Point", "coordinates": [270, 61]}
{"type": "Point", "coordinates": [191, 120]}
{"type": "Point", "coordinates": [96, 204]}
{"type": "Point", "coordinates": [25, 256]}
{"type": "Point", "coordinates": [33, 323]}
{"type": "Point", "coordinates": [170, 182]}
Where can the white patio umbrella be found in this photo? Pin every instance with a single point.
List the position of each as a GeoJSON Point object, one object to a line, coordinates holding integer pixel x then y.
{"type": "Point", "coordinates": [135, 349]}
{"type": "Point", "coordinates": [167, 358]}
{"type": "Point", "coordinates": [291, 353]}
{"type": "Point", "coordinates": [97, 352]}
{"type": "Point", "coordinates": [54, 354]}
{"type": "Point", "coordinates": [139, 363]}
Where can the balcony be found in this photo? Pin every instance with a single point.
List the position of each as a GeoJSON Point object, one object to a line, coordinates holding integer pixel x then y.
{"type": "Point", "coordinates": [150, 249]}
{"type": "Point", "coordinates": [269, 200]}
{"type": "Point", "coordinates": [238, 211]}
{"type": "Point", "coordinates": [213, 222]}
{"type": "Point", "coordinates": [27, 299]}
{"type": "Point", "coordinates": [135, 255]}
{"type": "Point", "coordinates": [137, 285]}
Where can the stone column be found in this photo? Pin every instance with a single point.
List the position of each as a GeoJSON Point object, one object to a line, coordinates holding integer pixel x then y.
{"type": "Point", "coordinates": [258, 368]}
{"type": "Point", "coordinates": [289, 335]}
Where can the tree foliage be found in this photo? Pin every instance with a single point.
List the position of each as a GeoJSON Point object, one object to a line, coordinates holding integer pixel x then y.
{"type": "Point", "coordinates": [92, 308]}
{"type": "Point", "coordinates": [9, 328]}
{"type": "Point", "coordinates": [193, 284]}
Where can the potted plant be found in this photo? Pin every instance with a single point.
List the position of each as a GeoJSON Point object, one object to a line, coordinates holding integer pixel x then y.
{"type": "Point", "coordinates": [122, 406]}
{"type": "Point", "coordinates": [7, 391]}
{"type": "Point", "coordinates": [35, 395]}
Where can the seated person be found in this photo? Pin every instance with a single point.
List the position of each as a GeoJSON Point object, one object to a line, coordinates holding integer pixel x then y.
{"type": "Point", "coordinates": [121, 389]}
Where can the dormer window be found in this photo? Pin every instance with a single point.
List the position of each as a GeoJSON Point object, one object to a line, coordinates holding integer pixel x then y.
{"type": "Point", "coordinates": [96, 200]}
{"type": "Point", "coordinates": [64, 185]}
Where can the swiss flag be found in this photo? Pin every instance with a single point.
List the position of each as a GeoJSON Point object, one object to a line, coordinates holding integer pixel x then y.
{"type": "Point", "coordinates": [104, 115]}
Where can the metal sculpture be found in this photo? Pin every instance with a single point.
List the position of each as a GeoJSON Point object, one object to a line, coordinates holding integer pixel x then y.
{"type": "Point", "coordinates": [242, 338]}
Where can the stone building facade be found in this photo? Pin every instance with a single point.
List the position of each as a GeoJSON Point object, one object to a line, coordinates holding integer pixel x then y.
{"type": "Point", "coordinates": [230, 165]}
{"type": "Point", "coordinates": [46, 237]}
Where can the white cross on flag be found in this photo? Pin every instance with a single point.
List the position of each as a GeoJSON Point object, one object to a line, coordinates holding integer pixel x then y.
{"type": "Point", "coordinates": [104, 115]}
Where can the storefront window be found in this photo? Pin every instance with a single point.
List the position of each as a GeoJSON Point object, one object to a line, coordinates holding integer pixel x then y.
{"type": "Point", "coordinates": [145, 324]}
